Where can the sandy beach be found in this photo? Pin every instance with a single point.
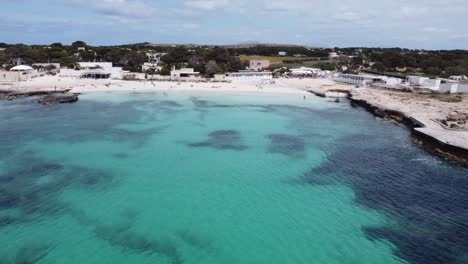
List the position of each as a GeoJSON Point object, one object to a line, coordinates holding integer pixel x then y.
{"type": "Point", "coordinates": [50, 83]}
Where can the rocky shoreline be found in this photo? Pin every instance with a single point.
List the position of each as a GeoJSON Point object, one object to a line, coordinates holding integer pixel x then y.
{"type": "Point", "coordinates": [431, 144]}
{"type": "Point", "coordinates": [44, 97]}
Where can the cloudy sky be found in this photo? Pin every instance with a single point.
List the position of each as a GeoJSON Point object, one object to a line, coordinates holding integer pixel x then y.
{"type": "Point", "coordinates": [428, 24]}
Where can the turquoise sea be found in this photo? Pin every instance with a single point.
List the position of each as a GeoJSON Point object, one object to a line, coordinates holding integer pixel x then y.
{"type": "Point", "coordinates": [221, 178]}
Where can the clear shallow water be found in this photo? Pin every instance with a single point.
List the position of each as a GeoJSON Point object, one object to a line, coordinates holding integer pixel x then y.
{"type": "Point", "coordinates": [206, 178]}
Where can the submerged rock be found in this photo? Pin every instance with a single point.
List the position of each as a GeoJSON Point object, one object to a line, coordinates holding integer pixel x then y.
{"type": "Point", "coordinates": [52, 99]}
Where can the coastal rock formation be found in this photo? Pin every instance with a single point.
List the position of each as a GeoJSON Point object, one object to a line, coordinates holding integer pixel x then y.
{"type": "Point", "coordinates": [52, 99]}
{"type": "Point", "coordinates": [45, 97]}
{"type": "Point", "coordinates": [432, 142]}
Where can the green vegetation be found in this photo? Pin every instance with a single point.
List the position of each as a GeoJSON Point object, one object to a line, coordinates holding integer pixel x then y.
{"type": "Point", "coordinates": [210, 60]}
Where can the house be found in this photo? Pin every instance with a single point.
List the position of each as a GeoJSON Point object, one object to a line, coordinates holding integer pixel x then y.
{"type": "Point", "coordinates": [259, 65]}
{"type": "Point", "coordinates": [245, 76]}
{"type": "Point", "coordinates": [282, 53]}
{"type": "Point", "coordinates": [185, 74]}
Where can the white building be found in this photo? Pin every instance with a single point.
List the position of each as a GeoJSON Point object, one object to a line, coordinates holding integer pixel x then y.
{"type": "Point", "coordinates": [95, 74]}
{"type": "Point", "coordinates": [416, 80]}
{"type": "Point", "coordinates": [458, 77]}
{"type": "Point", "coordinates": [359, 80]}
{"type": "Point", "coordinates": [304, 71]}
{"type": "Point", "coordinates": [259, 65]}
{"type": "Point", "coordinates": [282, 53]}
{"type": "Point", "coordinates": [98, 68]}
{"type": "Point", "coordinates": [245, 76]}
{"type": "Point", "coordinates": [18, 73]}
{"type": "Point", "coordinates": [459, 88]}
{"type": "Point", "coordinates": [391, 81]}
{"type": "Point", "coordinates": [424, 82]}
{"type": "Point", "coordinates": [188, 74]}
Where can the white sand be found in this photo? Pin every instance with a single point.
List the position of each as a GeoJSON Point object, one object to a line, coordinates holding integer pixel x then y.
{"type": "Point", "coordinates": [51, 83]}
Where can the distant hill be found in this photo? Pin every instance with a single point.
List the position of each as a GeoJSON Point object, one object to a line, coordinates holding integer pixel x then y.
{"type": "Point", "coordinates": [240, 45]}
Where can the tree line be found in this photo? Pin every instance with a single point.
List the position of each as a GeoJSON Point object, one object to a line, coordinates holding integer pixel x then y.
{"type": "Point", "coordinates": [210, 60]}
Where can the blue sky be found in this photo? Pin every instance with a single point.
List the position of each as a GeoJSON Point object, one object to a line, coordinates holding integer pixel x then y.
{"type": "Point", "coordinates": [427, 24]}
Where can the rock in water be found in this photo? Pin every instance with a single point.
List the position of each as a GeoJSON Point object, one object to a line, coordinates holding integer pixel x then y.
{"type": "Point", "coordinates": [52, 99]}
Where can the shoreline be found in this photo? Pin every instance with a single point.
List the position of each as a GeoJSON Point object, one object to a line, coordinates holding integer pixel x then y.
{"type": "Point", "coordinates": [416, 112]}
{"type": "Point", "coordinates": [435, 142]}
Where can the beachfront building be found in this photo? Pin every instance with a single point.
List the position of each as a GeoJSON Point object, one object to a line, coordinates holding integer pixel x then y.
{"type": "Point", "coordinates": [460, 88]}
{"type": "Point", "coordinates": [458, 77]}
{"type": "Point", "coordinates": [100, 69]}
{"type": "Point", "coordinates": [424, 82]}
{"type": "Point", "coordinates": [392, 81]}
{"type": "Point", "coordinates": [359, 80]}
{"type": "Point", "coordinates": [18, 73]}
{"type": "Point", "coordinates": [95, 74]}
{"type": "Point", "coordinates": [453, 88]}
{"type": "Point", "coordinates": [259, 65]}
{"type": "Point", "coordinates": [183, 74]}
{"type": "Point", "coordinates": [304, 72]}
{"type": "Point", "coordinates": [243, 76]}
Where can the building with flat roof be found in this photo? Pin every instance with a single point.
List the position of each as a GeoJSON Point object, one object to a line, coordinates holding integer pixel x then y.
{"type": "Point", "coordinates": [244, 76]}
{"type": "Point", "coordinates": [185, 74]}
{"type": "Point", "coordinates": [359, 80]}
{"type": "Point", "coordinates": [304, 71]}
{"type": "Point", "coordinates": [458, 77]}
{"type": "Point", "coordinates": [424, 82]}
{"type": "Point", "coordinates": [95, 74]}
{"type": "Point", "coordinates": [18, 73]}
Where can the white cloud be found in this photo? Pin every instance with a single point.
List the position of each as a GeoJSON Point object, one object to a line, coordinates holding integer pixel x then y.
{"type": "Point", "coordinates": [207, 4]}
{"type": "Point", "coordinates": [119, 8]}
